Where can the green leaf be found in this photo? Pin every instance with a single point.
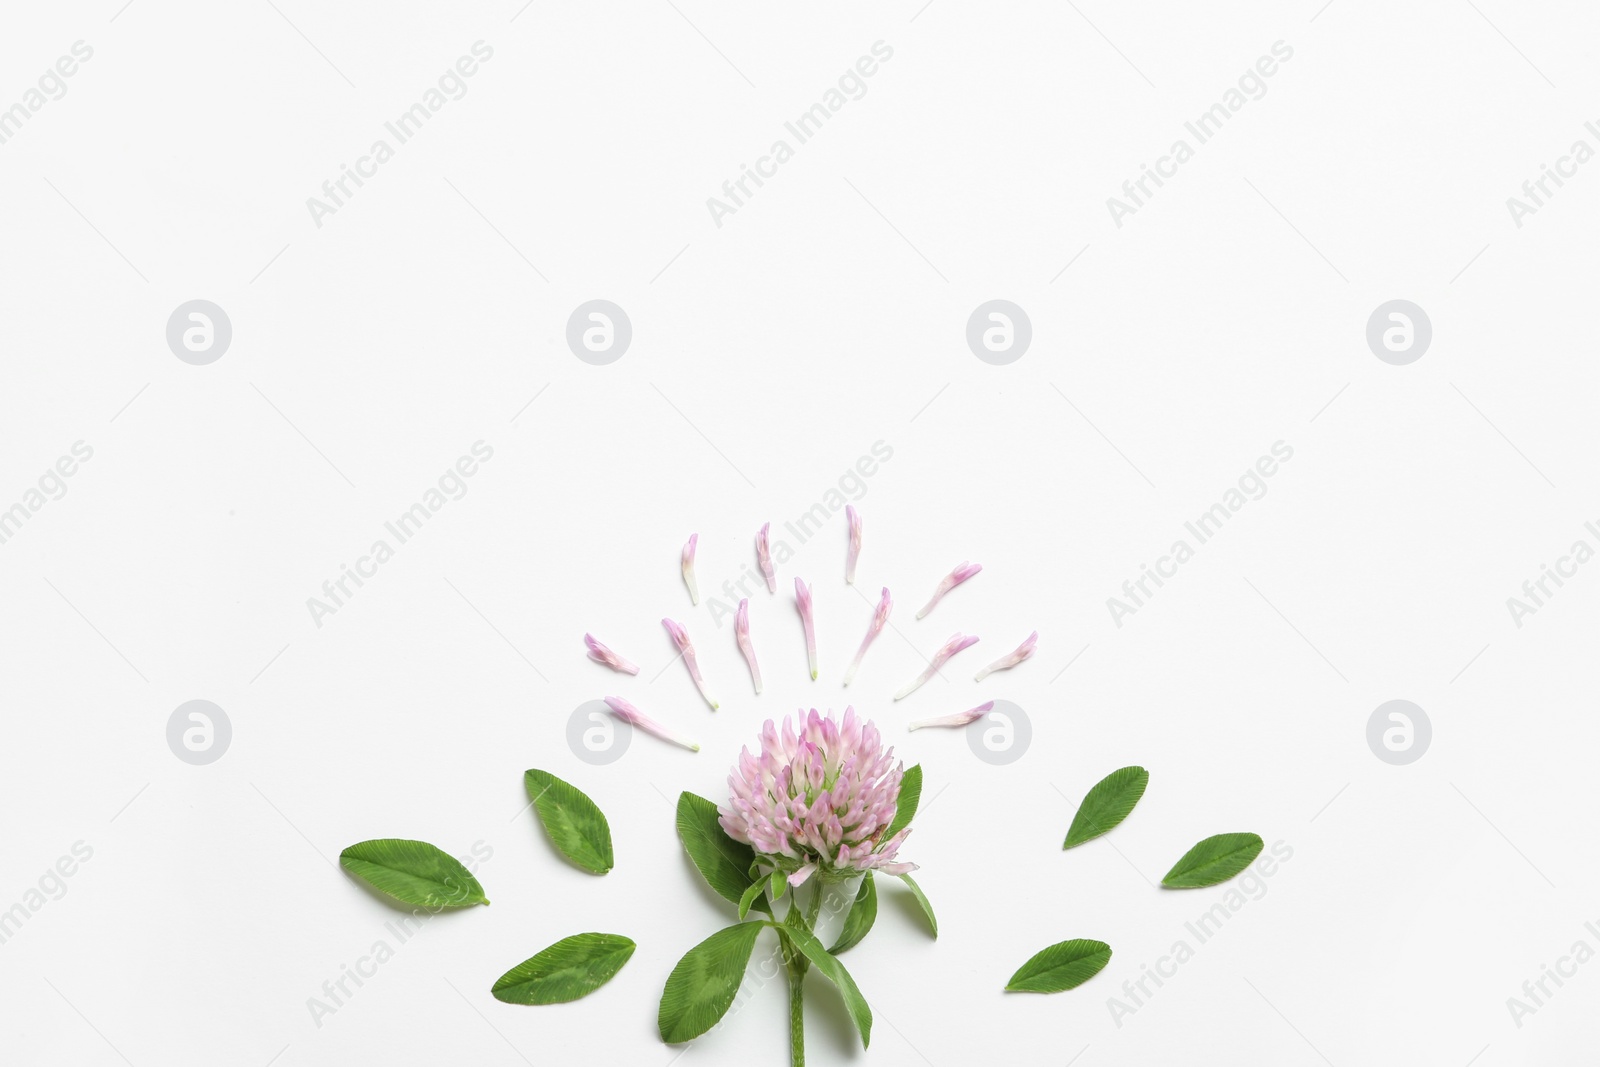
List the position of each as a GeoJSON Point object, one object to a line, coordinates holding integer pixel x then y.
{"type": "Point", "coordinates": [1214, 860]}
{"type": "Point", "coordinates": [413, 872]}
{"type": "Point", "coordinates": [1061, 966]}
{"type": "Point", "coordinates": [834, 971]}
{"type": "Point", "coordinates": [905, 806]}
{"type": "Point", "coordinates": [574, 824]}
{"type": "Point", "coordinates": [752, 897]}
{"type": "Point", "coordinates": [859, 919]}
{"type": "Point", "coordinates": [922, 898]}
{"type": "Point", "coordinates": [571, 968]}
{"type": "Point", "coordinates": [777, 882]}
{"type": "Point", "coordinates": [702, 986]}
{"type": "Point", "coordinates": [1107, 804]}
{"type": "Point", "coordinates": [723, 862]}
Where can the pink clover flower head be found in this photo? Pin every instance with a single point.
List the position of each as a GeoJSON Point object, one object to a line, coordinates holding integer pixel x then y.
{"type": "Point", "coordinates": [818, 799]}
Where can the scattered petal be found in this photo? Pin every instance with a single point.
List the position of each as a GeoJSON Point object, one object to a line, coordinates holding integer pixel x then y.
{"type": "Point", "coordinates": [764, 558]}
{"type": "Point", "coordinates": [879, 617]}
{"type": "Point", "coordinates": [1005, 663]}
{"type": "Point", "coordinates": [854, 552]}
{"type": "Point", "coordinates": [680, 637]}
{"type": "Point", "coordinates": [802, 597]}
{"type": "Point", "coordinates": [965, 718]}
{"type": "Point", "coordinates": [741, 633]}
{"type": "Point", "coordinates": [956, 643]}
{"type": "Point", "coordinates": [601, 654]}
{"type": "Point", "coordinates": [634, 717]}
{"type": "Point", "coordinates": [950, 581]}
{"type": "Point", "coordinates": [688, 569]}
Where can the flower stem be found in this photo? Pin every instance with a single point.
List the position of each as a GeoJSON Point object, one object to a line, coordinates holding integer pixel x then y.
{"type": "Point", "coordinates": [797, 1019]}
{"type": "Point", "coordinates": [797, 973]}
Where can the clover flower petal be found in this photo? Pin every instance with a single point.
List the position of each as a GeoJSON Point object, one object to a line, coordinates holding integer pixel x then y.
{"type": "Point", "coordinates": [962, 572]}
{"type": "Point", "coordinates": [601, 654]}
{"type": "Point", "coordinates": [680, 637]}
{"type": "Point", "coordinates": [964, 718]}
{"type": "Point", "coordinates": [956, 643]}
{"type": "Point", "coordinates": [1011, 659]}
{"type": "Point", "coordinates": [741, 633]}
{"type": "Point", "coordinates": [880, 616]}
{"type": "Point", "coordinates": [802, 599]}
{"type": "Point", "coordinates": [764, 558]}
{"type": "Point", "coordinates": [634, 717]}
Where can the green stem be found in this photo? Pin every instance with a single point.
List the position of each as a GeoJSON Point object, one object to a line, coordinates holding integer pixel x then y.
{"type": "Point", "coordinates": [797, 1019]}
{"type": "Point", "coordinates": [797, 976]}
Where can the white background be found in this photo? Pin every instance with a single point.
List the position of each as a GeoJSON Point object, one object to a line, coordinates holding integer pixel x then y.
{"type": "Point", "coordinates": [769, 354]}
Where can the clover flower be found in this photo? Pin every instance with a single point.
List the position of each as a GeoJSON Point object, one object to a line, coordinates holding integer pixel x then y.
{"type": "Point", "coordinates": [962, 572]}
{"type": "Point", "coordinates": [956, 643]}
{"type": "Point", "coordinates": [965, 718]}
{"type": "Point", "coordinates": [688, 569]}
{"type": "Point", "coordinates": [634, 717]}
{"type": "Point", "coordinates": [1006, 662]}
{"type": "Point", "coordinates": [764, 558]}
{"type": "Point", "coordinates": [802, 599]}
{"type": "Point", "coordinates": [601, 654]}
{"type": "Point", "coordinates": [680, 637]}
{"type": "Point", "coordinates": [818, 799]}
{"type": "Point", "coordinates": [741, 633]}
{"type": "Point", "coordinates": [853, 517]}
{"type": "Point", "coordinates": [879, 618]}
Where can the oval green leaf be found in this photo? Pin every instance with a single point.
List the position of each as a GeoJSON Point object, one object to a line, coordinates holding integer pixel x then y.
{"type": "Point", "coordinates": [922, 899]}
{"type": "Point", "coordinates": [571, 968]}
{"type": "Point", "coordinates": [1107, 804]}
{"type": "Point", "coordinates": [1061, 966]}
{"type": "Point", "coordinates": [576, 827]}
{"type": "Point", "coordinates": [702, 986]}
{"type": "Point", "coordinates": [723, 862]}
{"type": "Point", "coordinates": [905, 805]}
{"type": "Point", "coordinates": [859, 919]}
{"type": "Point", "coordinates": [1214, 860]}
{"type": "Point", "coordinates": [834, 971]}
{"type": "Point", "coordinates": [413, 872]}
{"type": "Point", "coordinates": [752, 897]}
